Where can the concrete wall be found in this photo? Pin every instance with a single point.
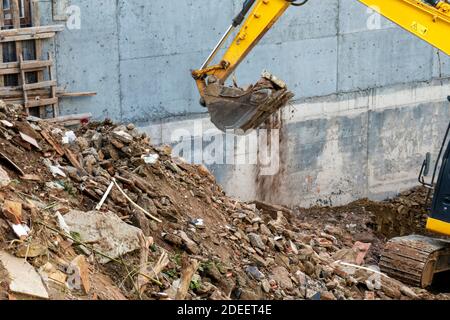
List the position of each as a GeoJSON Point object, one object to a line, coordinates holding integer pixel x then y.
{"type": "Point", "coordinates": [370, 101]}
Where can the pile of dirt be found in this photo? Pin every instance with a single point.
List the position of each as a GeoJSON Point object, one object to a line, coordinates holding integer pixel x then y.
{"type": "Point", "coordinates": [101, 213]}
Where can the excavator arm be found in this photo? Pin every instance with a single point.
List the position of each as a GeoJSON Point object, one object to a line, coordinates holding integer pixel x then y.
{"type": "Point", "coordinates": [234, 108]}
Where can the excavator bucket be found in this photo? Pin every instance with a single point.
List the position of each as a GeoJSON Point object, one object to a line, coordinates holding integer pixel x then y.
{"type": "Point", "coordinates": [233, 108]}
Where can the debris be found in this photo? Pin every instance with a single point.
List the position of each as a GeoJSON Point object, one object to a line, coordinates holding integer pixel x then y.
{"type": "Point", "coordinates": [142, 278]}
{"type": "Point", "coordinates": [22, 277]}
{"type": "Point", "coordinates": [255, 273]}
{"type": "Point", "coordinates": [189, 267]}
{"type": "Point", "coordinates": [256, 241]}
{"type": "Point", "coordinates": [46, 135]}
{"type": "Point", "coordinates": [282, 277]}
{"type": "Point", "coordinates": [69, 137]}
{"type": "Point", "coordinates": [123, 136]}
{"type": "Point", "coordinates": [151, 158]}
{"type": "Point", "coordinates": [31, 250]}
{"type": "Point", "coordinates": [6, 123]}
{"type": "Point", "coordinates": [102, 201]}
{"type": "Point", "coordinates": [361, 249]}
{"type": "Point", "coordinates": [55, 170]}
{"type": "Point", "coordinates": [12, 163]}
{"type": "Point", "coordinates": [30, 140]}
{"type": "Point", "coordinates": [134, 204]}
{"type": "Point", "coordinates": [199, 223]}
{"type": "Point", "coordinates": [109, 234]}
{"type": "Point", "coordinates": [31, 177]}
{"type": "Point", "coordinates": [62, 223]}
{"type": "Point", "coordinates": [21, 230]}
{"type": "Point", "coordinates": [50, 273]}
{"type": "Point", "coordinates": [247, 251]}
{"type": "Point", "coordinates": [79, 268]}
{"type": "Point", "coordinates": [12, 210]}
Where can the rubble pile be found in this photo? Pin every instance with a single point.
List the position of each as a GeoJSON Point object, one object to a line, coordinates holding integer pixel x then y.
{"type": "Point", "coordinates": [98, 212]}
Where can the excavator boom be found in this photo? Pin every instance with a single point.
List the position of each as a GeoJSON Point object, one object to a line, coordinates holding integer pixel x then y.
{"type": "Point", "coordinates": [429, 20]}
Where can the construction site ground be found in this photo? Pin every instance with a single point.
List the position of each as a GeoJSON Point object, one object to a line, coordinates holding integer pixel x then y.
{"type": "Point", "coordinates": [98, 212]}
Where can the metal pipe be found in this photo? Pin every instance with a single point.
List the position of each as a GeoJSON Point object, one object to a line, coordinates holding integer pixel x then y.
{"type": "Point", "coordinates": [217, 47]}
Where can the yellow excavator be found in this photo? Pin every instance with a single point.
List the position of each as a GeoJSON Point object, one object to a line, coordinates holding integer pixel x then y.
{"type": "Point", "coordinates": [415, 260]}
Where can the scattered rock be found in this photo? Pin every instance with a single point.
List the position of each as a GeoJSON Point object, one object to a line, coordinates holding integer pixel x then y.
{"type": "Point", "coordinates": [256, 241]}
{"type": "Point", "coordinates": [282, 277]}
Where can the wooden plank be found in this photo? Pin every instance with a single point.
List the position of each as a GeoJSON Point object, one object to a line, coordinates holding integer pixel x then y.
{"type": "Point", "coordinates": [26, 37]}
{"type": "Point", "coordinates": [36, 22]}
{"type": "Point", "coordinates": [48, 137]}
{"type": "Point", "coordinates": [76, 94]}
{"type": "Point", "coordinates": [24, 83]}
{"type": "Point", "coordinates": [72, 117]}
{"type": "Point", "coordinates": [52, 75]}
{"type": "Point", "coordinates": [41, 102]}
{"type": "Point", "coordinates": [35, 64]}
{"type": "Point", "coordinates": [17, 70]}
{"type": "Point", "coordinates": [2, 16]}
{"type": "Point", "coordinates": [9, 71]}
{"type": "Point", "coordinates": [39, 85]}
{"type": "Point", "coordinates": [15, 12]}
{"type": "Point", "coordinates": [30, 31]}
{"type": "Point", "coordinates": [35, 14]}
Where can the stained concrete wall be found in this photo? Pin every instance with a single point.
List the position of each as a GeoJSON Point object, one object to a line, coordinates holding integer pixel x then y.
{"type": "Point", "coordinates": [370, 101]}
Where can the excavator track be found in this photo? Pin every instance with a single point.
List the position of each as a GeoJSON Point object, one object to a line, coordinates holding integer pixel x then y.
{"type": "Point", "coordinates": [414, 260]}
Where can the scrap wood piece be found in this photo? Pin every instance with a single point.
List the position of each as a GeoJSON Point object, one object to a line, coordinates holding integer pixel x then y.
{"type": "Point", "coordinates": [80, 267]}
{"type": "Point", "coordinates": [13, 211]}
{"type": "Point", "coordinates": [31, 177]}
{"type": "Point", "coordinates": [72, 158]}
{"type": "Point", "coordinates": [142, 280]}
{"type": "Point", "coordinates": [146, 275]}
{"type": "Point", "coordinates": [12, 163]}
{"type": "Point", "coordinates": [81, 117]}
{"type": "Point", "coordinates": [63, 94]}
{"type": "Point", "coordinates": [105, 288]}
{"type": "Point", "coordinates": [190, 267]}
{"type": "Point", "coordinates": [47, 136]}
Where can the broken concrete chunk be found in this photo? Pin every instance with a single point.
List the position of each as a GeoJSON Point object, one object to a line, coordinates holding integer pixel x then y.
{"type": "Point", "coordinates": [22, 277]}
{"type": "Point", "coordinates": [108, 233]}
{"type": "Point", "coordinates": [123, 136]}
{"type": "Point", "coordinates": [191, 246]}
{"type": "Point", "coordinates": [255, 273]}
{"type": "Point", "coordinates": [256, 241]}
{"type": "Point", "coordinates": [282, 277]}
